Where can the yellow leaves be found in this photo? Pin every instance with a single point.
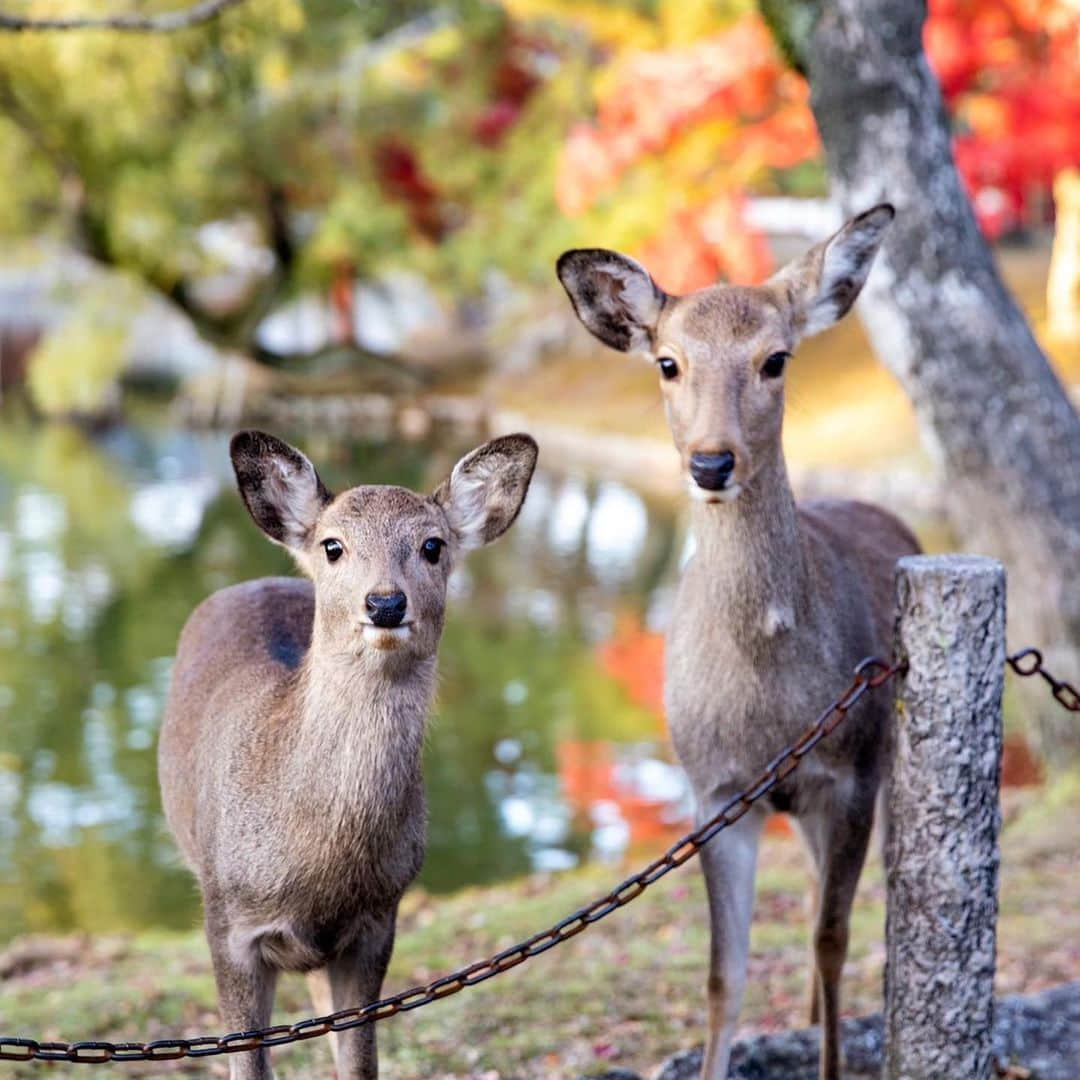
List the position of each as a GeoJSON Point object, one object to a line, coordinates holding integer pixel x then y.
{"type": "Point", "coordinates": [360, 228]}
{"type": "Point", "coordinates": [988, 115]}
{"type": "Point", "coordinates": [605, 23]}
{"type": "Point", "coordinates": [88, 90]}
{"type": "Point", "coordinates": [238, 40]}
{"type": "Point", "coordinates": [143, 227]}
{"type": "Point", "coordinates": [444, 43]}
{"type": "Point", "coordinates": [74, 369]}
{"type": "Point", "coordinates": [620, 26]}
{"type": "Point", "coordinates": [683, 22]}
{"type": "Point", "coordinates": [274, 71]}
{"type": "Point", "coordinates": [292, 17]}
{"type": "Point", "coordinates": [410, 68]}
{"type": "Point", "coordinates": [698, 159]}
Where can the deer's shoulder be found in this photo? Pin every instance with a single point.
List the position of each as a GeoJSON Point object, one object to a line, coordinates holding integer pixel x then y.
{"type": "Point", "coordinates": [267, 620]}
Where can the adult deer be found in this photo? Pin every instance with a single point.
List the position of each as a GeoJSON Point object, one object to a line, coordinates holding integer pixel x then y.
{"type": "Point", "coordinates": [779, 601]}
{"type": "Point", "coordinates": [290, 753]}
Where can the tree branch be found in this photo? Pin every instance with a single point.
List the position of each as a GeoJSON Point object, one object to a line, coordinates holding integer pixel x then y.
{"type": "Point", "coordinates": [164, 23]}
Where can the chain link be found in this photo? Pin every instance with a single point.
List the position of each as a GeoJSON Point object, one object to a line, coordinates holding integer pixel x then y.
{"type": "Point", "coordinates": [1028, 662]}
{"type": "Point", "coordinates": [869, 675]}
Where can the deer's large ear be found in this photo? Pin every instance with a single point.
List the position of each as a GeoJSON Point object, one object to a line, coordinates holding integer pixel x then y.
{"type": "Point", "coordinates": [823, 284]}
{"type": "Point", "coordinates": [279, 486]}
{"type": "Point", "coordinates": [485, 491]}
{"type": "Point", "coordinates": [613, 295]}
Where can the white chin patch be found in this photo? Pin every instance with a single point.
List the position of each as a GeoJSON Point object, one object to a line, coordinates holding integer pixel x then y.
{"type": "Point", "coordinates": [386, 637]}
{"type": "Point", "coordinates": [700, 494]}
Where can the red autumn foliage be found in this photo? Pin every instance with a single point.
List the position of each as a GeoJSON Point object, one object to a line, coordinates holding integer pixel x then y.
{"type": "Point", "coordinates": [494, 122]}
{"type": "Point", "coordinates": [513, 81]}
{"type": "Point", "coordinates": [1010, 71]}
{"type": "Point", "coordinates": [401, 177]}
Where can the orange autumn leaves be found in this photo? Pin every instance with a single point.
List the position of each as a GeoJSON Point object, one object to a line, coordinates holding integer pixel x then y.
{"type": "Point", "coordinates": [757, 116]}
{"type": "Point", "coordinates": [634, 658]}
{"type": "Point", "coordinates": [725, 115]}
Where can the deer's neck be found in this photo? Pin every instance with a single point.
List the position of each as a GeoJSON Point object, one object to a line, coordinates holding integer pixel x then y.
{"type": "Point", "coordinates": [360, 732]}
{"type": "Point", "coordinates": [751, 561]}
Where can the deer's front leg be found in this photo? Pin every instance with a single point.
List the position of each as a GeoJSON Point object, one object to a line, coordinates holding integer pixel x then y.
{"type": "Point", "coordinates": [356, 976]}
{"type": "Point", "coordinates": [729, 862]}
{"type": "Point", "coordinates": [245, 985]}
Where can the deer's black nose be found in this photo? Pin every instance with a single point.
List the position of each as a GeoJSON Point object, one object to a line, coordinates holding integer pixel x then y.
{"type": "Point", "coordinates": [712, 471]}
{"type": "Point", "coordinates": [386, 609]}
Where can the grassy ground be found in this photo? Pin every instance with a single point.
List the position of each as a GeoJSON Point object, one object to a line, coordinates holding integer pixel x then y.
{"type": "Point", "coordinates": [627, 992]}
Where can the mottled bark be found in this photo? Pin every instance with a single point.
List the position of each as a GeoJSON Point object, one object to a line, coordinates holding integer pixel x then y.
{"type": "Point", "coordinates": [988, 404]}
{"type": "Point", "coordinates": [943, 818]}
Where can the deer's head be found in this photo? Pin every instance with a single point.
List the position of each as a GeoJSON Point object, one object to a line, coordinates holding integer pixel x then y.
{"type": "Point", "coordinates": [380, 557]}
{"type": "Point", "coordinates": [721, 352]}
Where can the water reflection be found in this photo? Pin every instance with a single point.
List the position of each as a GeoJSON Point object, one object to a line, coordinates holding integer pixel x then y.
{"type": "Point", "coordinates": [546, 747]}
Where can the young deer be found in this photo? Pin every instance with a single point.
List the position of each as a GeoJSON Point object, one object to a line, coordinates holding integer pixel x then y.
{"type": "Point", "coordinates": [778, 603]}
{"type": "Point", "coordinates": [290, 753]}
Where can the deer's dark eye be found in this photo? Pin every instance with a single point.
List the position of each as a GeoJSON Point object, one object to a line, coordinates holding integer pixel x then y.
{"type": "Point", "coordinates": [668, 368]}
{"type": "Point", "coordinates": [334, 550]}
{"type": "Point", "coordinates": [774, 365]}
{"type": "Point", "coordinates": [431, 549]}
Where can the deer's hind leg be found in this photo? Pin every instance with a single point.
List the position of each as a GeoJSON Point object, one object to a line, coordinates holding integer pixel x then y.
{"type": "Point", "coordinates": [322, 1001]}
{"type": "Point", "coordinates": [838, 834]}
{"type": "Point", "coordinates": [813, 994]}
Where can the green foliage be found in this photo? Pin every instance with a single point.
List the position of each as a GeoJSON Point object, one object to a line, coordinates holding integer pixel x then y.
{"type": "Point", "coordinates": [791, 22]}
{"type": "Point", "coordinates": [73, 370]}
{"type": "Point", "coordinates": [345, 138]}
{"type": "Point", "coordinates": [278, 116]}
{"type": "Point", "coordinates": [358, 229]}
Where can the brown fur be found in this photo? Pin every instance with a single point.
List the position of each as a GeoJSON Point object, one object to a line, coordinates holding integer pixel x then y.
{"type": "Point", "coordinates": [290, 753]}
{"type": "Point", "coordinates": [777, 606]}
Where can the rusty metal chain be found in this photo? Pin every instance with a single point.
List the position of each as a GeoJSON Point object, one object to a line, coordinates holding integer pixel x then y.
{"type": "Point", "coordinates": [869, 675]}
{"type": "Point", "coordinates": [1029, 662]}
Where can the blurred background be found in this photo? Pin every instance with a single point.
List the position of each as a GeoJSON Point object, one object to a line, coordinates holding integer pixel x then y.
{"type": "Point", "coordinates": [339, 220]}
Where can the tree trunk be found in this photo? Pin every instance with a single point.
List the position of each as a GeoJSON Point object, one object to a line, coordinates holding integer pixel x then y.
{"type": "Point", "coordinates": [988, 404]}
{"type": "Point", "coordinates": [943, 819]}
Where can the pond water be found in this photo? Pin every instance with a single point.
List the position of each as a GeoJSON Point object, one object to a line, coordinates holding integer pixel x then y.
{"type": "Point", "coordinates": [547, 744]}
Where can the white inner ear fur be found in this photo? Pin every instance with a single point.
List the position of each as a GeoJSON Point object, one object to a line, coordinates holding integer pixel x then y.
{"type": "Point", "coordinates": [466, 508]}
{"type": "Point", "coordinates": [844, 266]}
{"type": "Point", "coordinates": [638, 299]}
{"type": "Point", "coordinates": [840, 262]}
{"type": "Point", "coordinates": [295, 494]}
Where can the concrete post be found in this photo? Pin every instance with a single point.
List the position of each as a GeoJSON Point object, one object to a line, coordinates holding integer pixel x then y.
{"type": "Point", "coordinates": [943, 819]}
